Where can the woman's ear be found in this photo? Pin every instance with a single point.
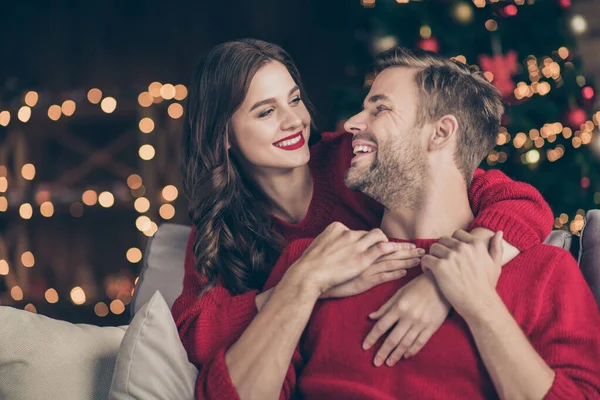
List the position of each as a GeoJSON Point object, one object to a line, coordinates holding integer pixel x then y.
{"type": "Point", "coordinates": [444, 129]}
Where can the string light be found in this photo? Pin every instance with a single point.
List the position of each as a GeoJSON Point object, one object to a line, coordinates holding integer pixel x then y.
{"type": "Point", "coordinates": [108, 105]}
{"type": "Point", "coordinates": [141, 204]}
{"type": "Point", "coordinates": [51, 296]}
{"type": "Point", "coordinates": [27, 259]}
{"type": "Point", "coordinates": [16, 293]}
{"type": "Point", "coordinates": [134, 255]}
{"type": "Point", "coordinates": [47, 209]}
{"type": "Point", "coordinates": [147, 152]}
{"type": "Point", "coordinates": [170, 193]}
{"type": "Point", "coordinates": [26, 211]}
{"type": "Point", "coordinates": [166, 211]}
{"type": "Point", "coordinates": [146, 125]}
{"type": "Point", "coordinates": [78, 296]}
{"type": "Point", "coordinates": [3, 184]}
{"type": "Point", "coordinates": [94, 96]}
{"type": "Point", "coordinates": [4, 268]}
{"type": "Point", "coordinates": [4, 118]}
{"type": "Point", "coordinates": [106, 199]}
{"type": "Point", "coordinates": [68, 107]}
{"type": "Point", "coordinates": [24, 114]}
{"type": "Point", "coordinates": [117, 307]}
{"type": "Point", "coordinates": [28, 171]}
{"type": "Point", "coordinates": [31, 98]}
{"type": "Point", "coordinates": [101, 309]}
{"type": "Point", "coordinates": [89, 197]}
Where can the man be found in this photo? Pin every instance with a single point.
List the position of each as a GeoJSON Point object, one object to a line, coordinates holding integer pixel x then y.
{"type": "Point", "coordinates": [426, 125]}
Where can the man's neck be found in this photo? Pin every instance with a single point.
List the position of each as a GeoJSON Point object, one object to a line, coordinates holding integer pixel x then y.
{"type": "Point", "coordinates": [445, 209]}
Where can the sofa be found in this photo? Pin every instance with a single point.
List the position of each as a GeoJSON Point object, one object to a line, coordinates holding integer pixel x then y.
{"type": "Point", "coordinates": [42, 358]}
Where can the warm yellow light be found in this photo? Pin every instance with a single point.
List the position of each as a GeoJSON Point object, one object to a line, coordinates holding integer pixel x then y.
{"type": "Point", "coordinates": [532, 156]}
{"type": "Point", "coordinates": [89, 197]}
{"type": "Point", "coordinates": [28, 171]}
{"type": "Point", "coordinates": [3, 204]}
{"type": "Point", "coordinates": [94, 96]}
{"type": "Point", "coordinates": [16, 293]}
{"type": "Point", "coordinates": [68, 108]}
{"type": "Point", "coordinates": [154, 89]}
{"type": "Point", "coordinates": [479, 3]}
{"type": "Point", "coordinates": [167, 91]}
{"type": "Point", "coordinates": [519, 140]}
{"type": "Point", "coordinates": [31, 308]}
{"type": "Point", "coordinates": [489, 76]}
{"type": "Point", "coordinates": [166, 211]}
{"type": "Point", "coordinates": [147, 152]}
{"type": "Point", "coordinates": [51, 296]}
{"type": "Point", "coordinates": [146, 125]}
{"type": "Point", "coordinates": [76, 209]}
{"type": "Point", "coordinates": [461, 59]}
{"type": "Point", "coordinates": [31, 98]}
{"type": "Point", "coordinates": [145, 99]}
{"type": "Point", "coordinates": [134, 181]}
{"type": "Point", "coordinates": [141, 204]}
{"type": "Point", "coordinates": [54, 112]}
{"type": "Point", "coordinates": [108, 105]}
{"type": "Point", "coordinates": [47, 209]}
{"type": "Point", "coordinates": [143, 223]}
{"type": "Point", "coordinates": [106, 199]}
{"type": "Point", "coordinates": [134, 255]}
{"type": "Point", "coordinates": [117, 307]}
{"type": "Point", "coordinates": [367, 3]}
{"type": "Point", "coordinates": [181, 92]}
{"type": "Point", "coordinates": [152, 230]}
{"type": "Point", "coordinates": [491, 25]}
{"type": "Point", "coordinates": [463, 12]}
{"type": "Point", "coordinates": [26, 211]}
{"type": "Point", "coordinates": [4, 268]}
{"type": "Point", "coordinates": [175, 110]}
{"type": "Point", "coordinates": [77, 295]}
{"type": "Point", "coordinates": [24, 114]}
{"type": "Point", "coordinates": [27, 259]}
{"type": "Point", "coordinates": [543, 88]}
{"type": "Point", "coordinates": [3, 184]}
{"type": "Point", "coordinates": [170, 193]}
{"type": "Point", "coordinates": [567, 132]}
{"type": "Point", "coordinates": [4, 118]}
{"type": "Point", "coordinates": [101, 309]}
{"type": "Point", "coordinates": [425, 31]}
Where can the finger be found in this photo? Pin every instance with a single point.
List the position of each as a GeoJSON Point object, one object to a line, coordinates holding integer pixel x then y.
{"type": "Point", "coordinates": [373, 237]}
{"type": "Point", "coordinates": [377, 251]}
{"type": "Point", "coordinates": [393, 265]}
{"type": "Point", "coordinates": [392, 341]}
{"type": "Point", "coordinates": [382, 310]}
{"type": "Point", "coordinates": [381, 327]}
{"type": "Point", "coordinates": [430, 263]}
{"type": "Point", "coordinates": [403, 254]}
{"type": "Point", "coordinates": [449, 242]}
{"type": "Point", "coordinates": [496, 248]}
{"type": "Point", "coordinates": [419, 342]}
{"type": "Point", "coordinates": [384, 277]}
{"type": "Point", "coordinates": [464, 236]}
{"type": "Point", "coordinates": [403, 346]}
{"type": "Point", "coordinates": [440, 251]}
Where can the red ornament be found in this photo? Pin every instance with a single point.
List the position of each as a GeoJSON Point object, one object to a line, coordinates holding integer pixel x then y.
{"type": "Point", "coordinates": [430, 44]}
{"type": "Point", "coordinates": [587, 92]}
{"type": "Point", "coordinates": [511, 10]}
{"type": "Point", "coordinates": [503, 67]}
{"type": "Point", "coordinates": [575, 117]}
{"type": "Point", "coordinates": [564, 3]}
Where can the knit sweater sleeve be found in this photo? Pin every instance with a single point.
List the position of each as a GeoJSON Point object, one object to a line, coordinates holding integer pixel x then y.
{"type": "Point", "coordinates": [515, 208]}
{"type": "Point", "coordinates": [567, 333]}
{"type": "Point", "coordinates": [214, 381]}
{"type": "Point", "coordinates": [212, 321]}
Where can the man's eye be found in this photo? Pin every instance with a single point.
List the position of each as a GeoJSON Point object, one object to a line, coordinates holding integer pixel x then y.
{"type": "Point", "coordinates": [265, 113]}
{"type": "Point", "coordinates": [380, 109]}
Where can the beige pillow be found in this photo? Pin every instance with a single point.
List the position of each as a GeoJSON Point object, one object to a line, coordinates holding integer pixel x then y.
{"type": "Point", "coordinates": [152, 363]}
{"type": "Point", "coordinates": [43, 358]}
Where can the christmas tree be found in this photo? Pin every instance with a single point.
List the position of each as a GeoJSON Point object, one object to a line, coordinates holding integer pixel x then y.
{"type": "Point", "coordinates": [526, 48]}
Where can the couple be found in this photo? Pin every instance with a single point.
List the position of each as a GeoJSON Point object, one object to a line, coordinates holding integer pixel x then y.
{"type": "Point", "coordinates": [345, 315]}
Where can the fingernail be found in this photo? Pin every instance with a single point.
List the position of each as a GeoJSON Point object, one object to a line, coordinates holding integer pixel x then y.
{"type": "Point", "coordinates": [421, 251]}
{"type": "Point", "coordinates": [366, 345]}
{"type": "Point", "coordinates": [378, 361]}
{"type": "Point", "coordinates": [389, 362]}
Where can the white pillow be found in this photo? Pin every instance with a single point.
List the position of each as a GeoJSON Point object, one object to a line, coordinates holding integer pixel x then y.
{"type": "Point", "coordinates": [43, 358]}
{"type": "Point", "coordinates": [152, 363]}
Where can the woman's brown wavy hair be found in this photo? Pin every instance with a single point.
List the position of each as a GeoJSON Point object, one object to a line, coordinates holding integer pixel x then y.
{"type": "Point", "coordinates": [234, 243]}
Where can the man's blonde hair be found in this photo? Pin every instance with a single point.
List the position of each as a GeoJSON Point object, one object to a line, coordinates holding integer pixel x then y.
{"type": "Point", "coordinates": [449, 87]}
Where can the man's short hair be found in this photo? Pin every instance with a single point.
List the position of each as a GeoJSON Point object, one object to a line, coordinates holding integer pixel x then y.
{"type": "Point", "coordinates": [450, 87]}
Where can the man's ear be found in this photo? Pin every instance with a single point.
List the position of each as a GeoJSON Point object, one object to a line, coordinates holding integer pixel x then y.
{"type": "Point", "coordinates": [444, 129]}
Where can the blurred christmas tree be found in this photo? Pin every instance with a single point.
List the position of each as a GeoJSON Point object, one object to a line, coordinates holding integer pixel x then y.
{"type": "Point", "coordinates": [549, 135]}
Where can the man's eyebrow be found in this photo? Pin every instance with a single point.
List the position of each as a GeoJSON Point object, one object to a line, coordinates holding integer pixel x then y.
{"type": "Point", "coordinates": [377, 97]}
{"type": "Point", "coordinates": [270, 99]}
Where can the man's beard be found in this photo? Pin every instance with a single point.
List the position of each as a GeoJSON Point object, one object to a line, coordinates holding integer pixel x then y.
{"type": "Point", "coordinates": [395, 178]}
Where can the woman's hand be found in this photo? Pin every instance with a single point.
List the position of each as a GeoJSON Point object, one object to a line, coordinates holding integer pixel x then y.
{"type": "Point", "coordinates": [339, 255]}
{"type": "Point", "coordinates": [415, 312]}
{"type": "Point", "coordinates": [385, 269]}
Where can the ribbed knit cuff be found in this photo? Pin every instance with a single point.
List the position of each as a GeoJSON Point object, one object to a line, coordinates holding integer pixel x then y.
{"type": "Point", "coordinates": [515, 231]}
{"type": "Point", "coordinates": [218, 384]}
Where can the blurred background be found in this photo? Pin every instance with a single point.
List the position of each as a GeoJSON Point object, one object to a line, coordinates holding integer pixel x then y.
{"type": "Point", "coordinates": [91, 97]}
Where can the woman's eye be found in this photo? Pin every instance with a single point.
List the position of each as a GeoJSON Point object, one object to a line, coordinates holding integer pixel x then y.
{"type": "Point", "coordinates": [296, 100]}
{"type": "Point", "coordinates": [265, 113]}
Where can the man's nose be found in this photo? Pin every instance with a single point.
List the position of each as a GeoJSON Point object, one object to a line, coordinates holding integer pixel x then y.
{"type": "Point", "coordinates": [355, 124]}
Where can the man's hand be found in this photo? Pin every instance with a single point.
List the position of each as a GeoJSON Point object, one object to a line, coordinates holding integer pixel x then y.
{"type": "Point", "coordinates": [388, 268]}
{"type": "Point", "coordinates": [416, 312]}
{"type": "Point", "coordinates": [461, 265]}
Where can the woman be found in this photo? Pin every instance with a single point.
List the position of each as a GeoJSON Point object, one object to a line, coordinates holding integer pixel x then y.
{"type": "Point", "coordinates": [254, 185]}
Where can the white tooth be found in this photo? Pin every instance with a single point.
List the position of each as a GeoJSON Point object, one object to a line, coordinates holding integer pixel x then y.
{"type": "Point", "coordinates": [287, 143]}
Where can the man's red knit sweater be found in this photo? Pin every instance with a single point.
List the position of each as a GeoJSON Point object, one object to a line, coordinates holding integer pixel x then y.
{"type": "Point", "coordinates": [207, 324]}
{"type": "Point", "coordinates": [543, 289]}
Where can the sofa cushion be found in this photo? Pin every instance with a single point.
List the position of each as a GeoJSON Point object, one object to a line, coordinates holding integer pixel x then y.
{"type": "Point", "coordinates": [162, 268]}
{"type": "Point", "coordinates": [44, 358]}
{"type": "Point", "coordinates": [152, 363]}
